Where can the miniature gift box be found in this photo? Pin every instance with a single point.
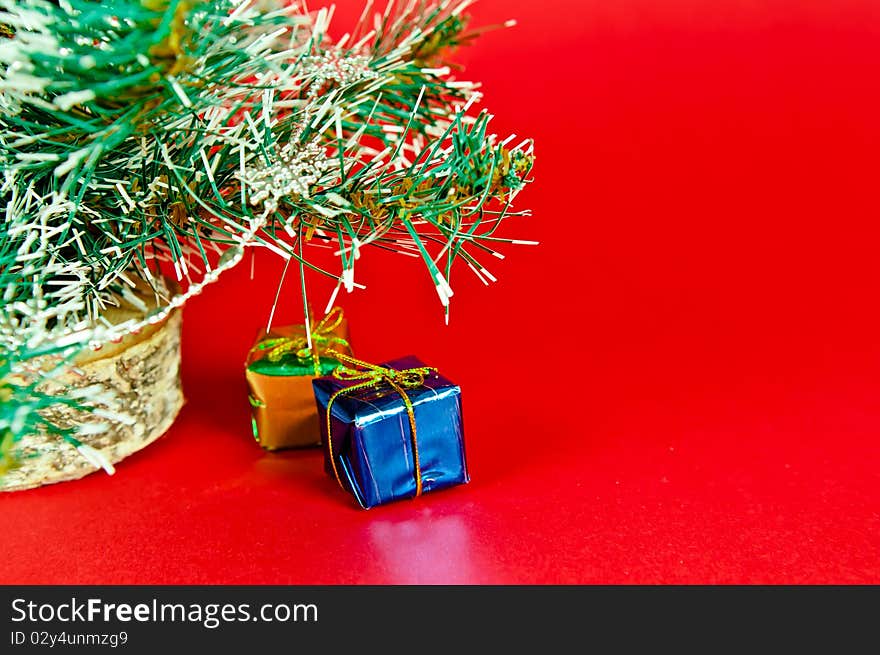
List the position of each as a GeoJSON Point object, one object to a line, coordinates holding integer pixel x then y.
{"type": "Point", "coordinates": [279, 371]}
{"type": "Point", "coordinates": [392, 431]}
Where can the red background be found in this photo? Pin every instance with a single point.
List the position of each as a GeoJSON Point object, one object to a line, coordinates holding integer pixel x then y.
{"type": "Point", "coordinates": [680, 384]}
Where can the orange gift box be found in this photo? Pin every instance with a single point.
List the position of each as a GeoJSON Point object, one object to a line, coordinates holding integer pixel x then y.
{"type": "Point", "coordinates": [279, 370]}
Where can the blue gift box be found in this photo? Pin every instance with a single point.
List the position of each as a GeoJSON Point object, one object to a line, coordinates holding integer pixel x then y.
{"type": "Point", "coordinates": [372, 438]}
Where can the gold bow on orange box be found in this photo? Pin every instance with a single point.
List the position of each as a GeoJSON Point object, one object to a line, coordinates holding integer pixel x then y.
{"type": "Point", "coordinates": [307, 346]}
{"type": "Point", "coordinates": [280, 368]}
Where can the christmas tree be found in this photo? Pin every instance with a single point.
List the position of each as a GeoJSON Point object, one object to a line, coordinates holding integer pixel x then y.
{"type": "Point", "coordinates": [161, 138]}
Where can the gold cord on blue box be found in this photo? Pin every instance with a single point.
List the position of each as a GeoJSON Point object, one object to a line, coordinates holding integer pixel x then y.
{"type": "Point", "coordinates": [372, 376]}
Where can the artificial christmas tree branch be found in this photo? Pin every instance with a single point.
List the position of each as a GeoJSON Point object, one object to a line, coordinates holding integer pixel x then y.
{"type": "Point", "coordinates": [164, 137]}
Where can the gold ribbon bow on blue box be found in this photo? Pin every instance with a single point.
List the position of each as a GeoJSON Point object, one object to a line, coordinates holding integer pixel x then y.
{"type": "Point", "coordinates": [391, 431]}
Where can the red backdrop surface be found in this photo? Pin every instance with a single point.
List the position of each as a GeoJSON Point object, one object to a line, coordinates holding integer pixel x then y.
{"type": "Point", "coordinates": [679, 385]}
